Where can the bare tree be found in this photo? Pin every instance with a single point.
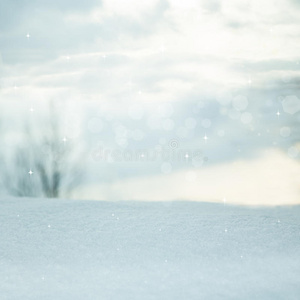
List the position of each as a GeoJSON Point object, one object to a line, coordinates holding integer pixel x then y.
{"type": "Point", "coordinates": [1, 155]}
{"type": "Point", "coordinates": [45, 164]}
{"type": "Point", "coordinates": [16, 178]}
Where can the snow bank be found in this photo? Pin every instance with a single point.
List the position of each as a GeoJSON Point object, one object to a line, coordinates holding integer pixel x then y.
{"type": "Point", "coordinates": [271, 178]}
{"type": "Point", "coordinates": [60, 249]}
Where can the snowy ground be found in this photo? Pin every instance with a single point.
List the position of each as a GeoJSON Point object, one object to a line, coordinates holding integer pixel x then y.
{"type": "Point", "coordinates": [60, 249]}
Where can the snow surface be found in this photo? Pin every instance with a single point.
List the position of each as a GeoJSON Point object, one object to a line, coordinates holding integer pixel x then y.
{"type": "Point", "coordinates": [63, 249]}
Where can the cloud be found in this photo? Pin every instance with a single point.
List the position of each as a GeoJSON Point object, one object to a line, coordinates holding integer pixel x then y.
{"type": "Point", "coordinates": [57, 29]}
{"type": "Point", "coordinates": [213, 6]}
{"type": "Point", "coordinates": [120, 58]}
{"type": "Point", "coordinates": [16, 13]}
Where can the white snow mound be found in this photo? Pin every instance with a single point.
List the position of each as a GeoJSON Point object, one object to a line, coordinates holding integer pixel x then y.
{"type": "Point", "coordinates": [62, 249]}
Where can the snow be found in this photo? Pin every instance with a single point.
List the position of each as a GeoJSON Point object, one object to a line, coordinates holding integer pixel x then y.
{"type": "Point", "coordinates": [70, 249]}
{"type": "Point", "coordinates": [270, 177]}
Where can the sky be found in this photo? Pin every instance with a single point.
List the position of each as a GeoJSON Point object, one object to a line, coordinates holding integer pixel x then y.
{"type": "Point", "coordinates": [220, 79]}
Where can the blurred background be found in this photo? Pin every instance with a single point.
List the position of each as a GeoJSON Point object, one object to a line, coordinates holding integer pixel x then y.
{"type": "Point", "coordinates": [151, 100]}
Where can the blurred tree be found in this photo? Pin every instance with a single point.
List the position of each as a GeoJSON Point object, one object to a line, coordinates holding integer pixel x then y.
{"type": "Point", "coordinates": [45, 163]}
